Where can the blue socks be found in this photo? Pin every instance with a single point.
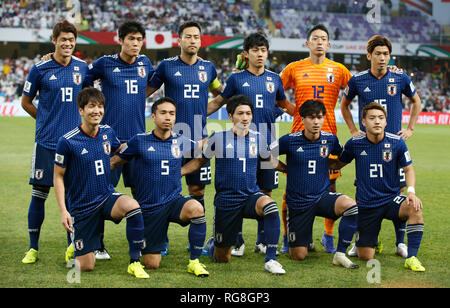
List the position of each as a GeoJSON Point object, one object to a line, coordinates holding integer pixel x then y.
{"type": "Point", "coordinates": [135, 233]}
{"type": "Point", "coordinates": [271, 223]}
{"type": "Point", "coordinates": [196, 236]}
{"type": "Point", "coordinates": [414, 233]}
{"type": "Point", "coordinates": [347, 228]}
{"type": "Point", "coordinates": [400, 228]}
{"type": "Point", "coordinates": [36, 214]}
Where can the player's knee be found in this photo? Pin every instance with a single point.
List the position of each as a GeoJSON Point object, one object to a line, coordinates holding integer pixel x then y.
{"type": "Point", "coordinates": [197, 209]}
{"type": "Point", "coordinates": [86, 266]}
{"type": "Point", "coordinates": [222, 258]}
{"type": "Point", "coordinates": [298, 254]}
{"type": "Point", "coordinates": [151, 261]}
{"type": "Point", "coordinates": [192, 209]}
{"type": "Point", "coordinates": [129, 204]}
{"type": "Point", "coordinates": [366, 253]}
{"type": "Point", "coordinates": [415, 216]}
{"type": "Point", "coordinates": [196, 190]}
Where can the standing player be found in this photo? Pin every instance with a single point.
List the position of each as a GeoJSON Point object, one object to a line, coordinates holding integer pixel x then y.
{"type": "Point", "coordinates": [378, 84]}
{"type": "Point", "coordinates": [124, 78]}
{"type": "Point", "coordinates": [317, 78]}
{"type": "Point", "coordinates": [158, 155]}
{"type": "Point", "coordinates": [237, 152]}
{"type": "Point", "coordinates": [266, 91]}
{"type": "Point", "coordinates": [307, 191]}
{"type": "Point", "coordinates": [187, 79]}
{"type": "Point", "coordinates": [378, 155]}
{"type": "Point", "coordinates": [82, 167]}
{"type": "Point", "coordinates": [58, 81]}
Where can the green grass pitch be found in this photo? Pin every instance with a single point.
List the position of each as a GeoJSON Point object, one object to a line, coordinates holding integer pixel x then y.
{"type": "Point", "coordinates": [429, 148]}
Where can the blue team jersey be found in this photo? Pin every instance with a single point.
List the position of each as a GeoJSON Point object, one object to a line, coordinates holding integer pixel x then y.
{"type": "Point", "coordinates": [158, 167]}
{"type": "Point", "coordinates": [377, 167]}
{"type": "Point", "coordinates": [188, 86]}
{"type": "Point", "coordinates": [264, 91]}
{"type": "Point", "coordinates": [307, 166]}
{"type": "Point", "coordinates": [124, 86]}
{"type": "Point", "coordinates": [58, 87]}
{"type": "Point", "coordinates": [87, 163]}
{"type": "Point", "coordinates": [236, 166]}
{"type": "Point", "coordinates": [386, 91]}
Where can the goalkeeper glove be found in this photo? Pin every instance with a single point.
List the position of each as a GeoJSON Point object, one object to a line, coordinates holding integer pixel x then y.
{"type": "Point", "coordinates": [241, 62]}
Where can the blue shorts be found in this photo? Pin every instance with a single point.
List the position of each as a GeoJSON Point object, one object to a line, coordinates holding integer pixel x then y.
{"type": "Point", "coordinates": [89, 228]}
{"type": "Point", "coordinates": [42, 164]}
{"type": "Point", "coordinates": [157, 222]}
{"type": "Point", "coordinates": [300, 221]}
{"type": "Point", "coordinates": [228, 223]}
{"type": "Point", "coordinates": [267, 179]}
{"type": "Point", "coordinates": [200, 177]}
{"type": "Point", "coordinates": [370, 218]}
{"type": "Point", "coordinates": [127, 171]}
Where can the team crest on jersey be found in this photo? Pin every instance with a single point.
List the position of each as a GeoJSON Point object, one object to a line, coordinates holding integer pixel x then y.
{"type": "Point", "coordinates": [324, 150]}
{"type": "Point", "coordinates": [330, 78]}
{"type": "Point", "coordinates": [79, 245]}
{"type": "Point", "coordinates": [77, 78]}
{"type": "Point", "coordinates": [203, 76]}
{"type": "Point", "coordinates": [176, 152]}
{"type": "Point", "coordinates": [387, 155]}
{"type": "Point", "coordinates": [107, 147]}
{"type": "Point", "coordinates": [392, 89]}
{"type": "Point", "coordinates": [141, 71]}
{"type": "Point", "coordinates": [253, 149]}
{"type": "Point", "coordinates": [270, 86]}
{"type": "Point", "coordinates": [39, 174]}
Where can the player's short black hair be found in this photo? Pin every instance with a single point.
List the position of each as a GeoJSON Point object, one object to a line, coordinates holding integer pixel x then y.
{"type": "Point", "coordinates": [310, 107]}
{"type": "Point", "coordinates": [162, 100]}
{"type": "Point", "coordinates": [238, 100]}
{"type": "Point", "coordinates": [90, 94]}
{"type": "Point", "coordinates": [317, 27]}
{"type": "Point", "coordinates": [131, 26]}
{"type": "Point", "coordinates": [255, 39]}
{"type": "Point", "coordinates": [188, 24]}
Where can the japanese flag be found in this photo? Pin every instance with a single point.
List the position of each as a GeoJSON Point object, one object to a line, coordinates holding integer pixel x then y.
{"type": "Point", "coordinates": [158, 40]}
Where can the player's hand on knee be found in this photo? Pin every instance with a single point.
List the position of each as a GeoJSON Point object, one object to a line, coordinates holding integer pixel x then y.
{"type": "Point", "coordinates": [412, 200]}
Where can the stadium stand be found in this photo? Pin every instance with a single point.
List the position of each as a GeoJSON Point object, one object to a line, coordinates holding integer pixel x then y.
{"type": "Point", "coordinates": [350, 18]}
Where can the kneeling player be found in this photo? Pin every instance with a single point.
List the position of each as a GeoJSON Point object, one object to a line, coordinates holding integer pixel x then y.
{"type": "Point", "coordinates": [158, 158]}
{"type": "Point", "coordinates": [308, 183]}
{"type": "Point", "coordinates": [378, 156]}
{"type": "Point", "coordinates": [237, 152]}
{"type": "Point", "coordinates": [81, 173]}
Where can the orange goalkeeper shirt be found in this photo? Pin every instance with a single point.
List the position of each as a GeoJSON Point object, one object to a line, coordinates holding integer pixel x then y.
{"type": "Point", "coordinates": [319, 82]}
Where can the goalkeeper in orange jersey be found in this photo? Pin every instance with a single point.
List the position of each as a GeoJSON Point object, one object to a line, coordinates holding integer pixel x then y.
{"type": "Point", "coordinates": [318, 78]}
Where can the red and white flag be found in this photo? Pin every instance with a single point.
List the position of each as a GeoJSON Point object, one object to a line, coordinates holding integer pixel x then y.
{"type": "Point", "coordinates": [158, 39]}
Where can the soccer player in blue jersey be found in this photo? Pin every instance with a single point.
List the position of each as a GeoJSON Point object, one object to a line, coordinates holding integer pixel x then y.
{"type": "Point", "coordinates": [308, 183]}
{"type": "Point", "coordinates": [124, 78]}
{"type": "Point", "coordinates": [188, 79]}
{"type": "Point", "coordinates": [58, 80]}
{"type": "Point", "coordinates": [265, 88]}
{"type": "Point", "coordinates": [82, 167]}
{"type": "Point", "coordinates": [159, 155]}
{"type": "Point", "coordinates": [378, 155]}
{"type": "Point", "coordinates": [237, 152]}
{"type": "Point", "coordinates": [386, 87]}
